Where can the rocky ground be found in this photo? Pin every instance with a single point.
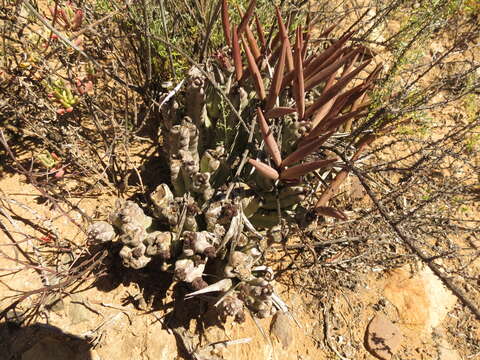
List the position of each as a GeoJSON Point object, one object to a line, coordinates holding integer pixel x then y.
{"type": "Point", "coordinates": [407, 312]}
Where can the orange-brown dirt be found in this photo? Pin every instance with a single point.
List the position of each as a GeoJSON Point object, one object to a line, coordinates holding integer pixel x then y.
{"type": "Point", "coordinates": [414, 299]}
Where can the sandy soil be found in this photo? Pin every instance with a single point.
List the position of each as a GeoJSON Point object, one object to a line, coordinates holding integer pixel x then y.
{"type": "Point", "coordinates": [413, 299]}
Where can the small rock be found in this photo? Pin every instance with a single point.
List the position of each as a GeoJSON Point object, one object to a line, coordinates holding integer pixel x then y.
{"type": "Point", "coordinates": [280, 327]}
{"type": "Point", "coordinates": [383, 337]}
{"type": "Point", "coordinates": [422, 300]}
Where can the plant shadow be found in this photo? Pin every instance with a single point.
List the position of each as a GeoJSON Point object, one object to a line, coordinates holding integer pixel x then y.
{"type": "Point", "coordinates": [157, 292]}
{"type": "Point", "coordinates": [40, 342]}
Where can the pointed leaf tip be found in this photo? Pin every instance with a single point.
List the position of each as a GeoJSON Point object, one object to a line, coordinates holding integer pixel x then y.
{"type": "Point", "coordinates": [299, 170]}
{"type": "Point", "coordinates": [276, 85]}
{"type": "Point", "coordinates": [246, 18]}
{"type": "Point", "coordinates": [260, 32]}
{"type": "Point", "coordinates": [264, 169]}
{"type": "Point", "coordinates": [279, 112]}
{"type": "Point", "coordinates": [253, 44]}
{"type": "Point", "coordinates": [270, 142]}
{"type": "Point", "coordinates": [252, 66]}
{"type": "Point", "coordinates": [300, 84]}
{"type": "Point", "coordinates": [305, 150]}
{"type": "Point", "coordinates": [284, 38]}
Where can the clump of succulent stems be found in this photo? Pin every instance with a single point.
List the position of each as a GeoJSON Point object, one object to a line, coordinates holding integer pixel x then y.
{"type": "Point", "coordinates": [213, 214]}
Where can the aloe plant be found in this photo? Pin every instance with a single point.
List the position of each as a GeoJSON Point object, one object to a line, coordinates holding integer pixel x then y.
{"type": "Point", "coordinates": [216, 209]}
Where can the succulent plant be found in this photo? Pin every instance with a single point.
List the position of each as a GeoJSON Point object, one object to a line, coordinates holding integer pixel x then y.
{"type": "Point", "coordinates": [217, 209]}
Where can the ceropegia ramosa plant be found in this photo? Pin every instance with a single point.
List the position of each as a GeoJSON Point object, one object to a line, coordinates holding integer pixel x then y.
{"type": "Point", "coordinates": [238, 162]}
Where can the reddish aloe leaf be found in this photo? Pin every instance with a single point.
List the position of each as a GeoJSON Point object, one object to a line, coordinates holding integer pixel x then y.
{"type": "Point", "coordinates": [335, 89]}
{"type": "Point", "coordinates": [261, 34]}
{"type": "Point", "coordinates": [299, 39]}
{"type": "Point", "coordinates": [336, 122]}
{"type": "Point", "coordinates": [333, 123]}
{"type": "Point", "coordinates": [307, 64]}
{"type": "Point", "coordinates": [342, 102]}
{"type": "Point", "coordinates": [264, 169]}
{"type": "Point", "coordinates": [253, 43]}
{"type": "Point", "coordinates": [366, 52]}
{"type": "Point", "coordinates": [251, 39]}
{"type": "Point", "coordinates": [324, 109]}
{"type": "Point", "coordinates": [322, 113]}
{"type": "Point", "coordinates": [349, 66]}
{"type": "Point", "coordinates": [288, 77]}
{"type": "Point", "coordinates": [237, 58]}
{"type": "Point", "coordinates": [308, 60]}
{"type": "Point", "coordinates": [349, 97]}
{"type": "Point", "coordinates": [226, 23]}
{"type": "Point", "coordinates": [299, 170]}
{"type": "Point", "coordinates": [319, 120]}
{"type": "Point", "coordinates": [357, 104]}
{"type": "Point", "coordinates": [252, 66]}
{"type": "Point", "coordinates": [305, 150]}
{"type": "Point", "coordinates": [330, 82]}
{"type": "Point", "coordinates": [332, 189]}
{"type": "Point", "coordinates": [279, 112]}
{"type": "Point", "coordinates": [275, 87]}
{"type": "Point", "coordinates": [333, 49]}
{"type": "Point", "coordinates": [300, 88]}
{"type": "Point", "coordinates": [270, 142]}
{"type": "Point", "coordinates": [284, 38]}
{"type": "Point", "coordinates": [362, 144]}
{"type": "Point", "coordinates": [342, 175]}
{"type": "Point", "coordinates": [340, 53]}
{"type": "Point", "coordinates": [246, 17]}
{"type": "Point", "coordinates": [323, 74]}
{"type": "Point", "coordinates": [332, 212]}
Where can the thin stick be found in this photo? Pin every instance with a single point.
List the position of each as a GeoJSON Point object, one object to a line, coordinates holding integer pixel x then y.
{"type": "Point", "coordinates": [212, 21]}
{"type": "Point", "coordinates": [164, 25]}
